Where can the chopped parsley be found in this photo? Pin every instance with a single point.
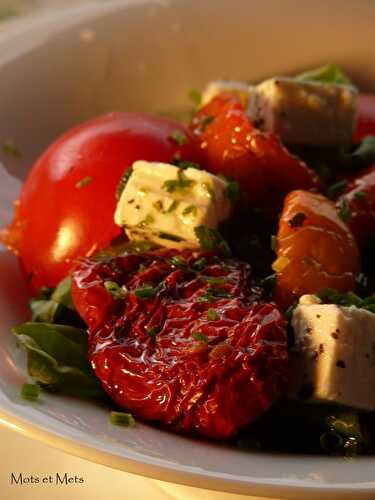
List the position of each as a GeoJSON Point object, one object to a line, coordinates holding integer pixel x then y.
{"type": "Point", "coordinates": [84, 182]}
{"type": "Point", "coordinates": [212, 314]}
{"type": "Point", "coordinates": [178, 137]}
{"type": "Point", "coordinates": [211, 239]}
{"type": "Point", "coordinates": [115, 290]}
{"type": "Point", "coordinates": [10, 149]}
{"type": "Point", "coordinates": [201, 337]}
{"type": "Point", "coordinates": [345, 213]}
{"type": "Point", "coordinates": [182, 182]}
{"type": "Point", "coordinates": [121, 418]}
{"type": "Point", "coordinates": [146, 222]}
{"type": "Point", "coordinates": [195, 96]}
{"type": "Point", "coordinates": [191, 209]}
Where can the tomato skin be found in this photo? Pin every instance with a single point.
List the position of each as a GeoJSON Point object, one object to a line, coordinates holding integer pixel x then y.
{"type": "Point", "coordinates": [365, 116]}
{"type": "Point", "coordinates": [229, 144]}
{"type": "Point", "coordinates": [68, 200]}
{"type": "Point", "coordinates": [360, 198]}
{"type": "Point", "coordinates": [318, 249]}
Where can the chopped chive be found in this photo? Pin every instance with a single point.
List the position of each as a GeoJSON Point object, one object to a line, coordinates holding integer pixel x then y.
{"type": "Point", "coordinates": [152, 331]}
{"type": "Point", "coordinates": [273, 242]}
{"type": "Point", "coordinates": [168, 236]}
{"type": "Point", "coordinates": [195, 96]}
{"type": "Point", "coordinates": [217, 280]}
{"type": "Point", "coordinates": [199, 264]}
{"type": "Point", "coordinates": [337, 189]}
{"type": "Point", "coordinates": [212, 314]}
{"type": "Point", "coordinates": [191, 209]}
{"type": "Point", "coordinates": [211, 294]}
{"type": "Point", "coordinates": [121, 418]}
{"type": "Point", "coordinates": [30, 391]}
{"type": "Point", "coordinates": [360, 195]}
{"type": "Point", "coordinates": [10, 149]}
{"type": "Point", "coordinates": [115, 289]}
{"type": "Point", "coordinates": [345, 213]}
{"type": "Point", "coordinates": [200, 336]}
{"type": "Point", "coordinates": [172, 206]}
{"type": "Point", "coordinates": [147, 292]}
{"type": "Point", "coordinates": [146, 222]}
{"type": "Point", "coordinates": [177, 261]}
{"type": "Point", "coordinates": [178, 137]}
{"type": "Point", "coordinates": [182, 182]}
{"type": "Point", "coordinates": [84, 182]}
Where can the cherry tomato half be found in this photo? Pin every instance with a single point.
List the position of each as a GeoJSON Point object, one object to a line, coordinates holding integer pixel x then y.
{"type": "Point", "coordinates": [68, 200]}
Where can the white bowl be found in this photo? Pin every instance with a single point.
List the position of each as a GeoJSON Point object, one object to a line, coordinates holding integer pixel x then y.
{"type": "Point", "coordinates": [64, 68]}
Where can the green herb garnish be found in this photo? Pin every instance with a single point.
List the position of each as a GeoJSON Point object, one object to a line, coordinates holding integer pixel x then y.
{"type": "Point", "coordinates": [268, 282]}
{"type": "Point", "coordinates": [199, 264]}
{"type": "Point", "coordinates": [182, 182]}
{"type": "Point", "coordinates": [115, 290]}
{"type": "Point", "coordinates": [121, 418]}
{"type": "Point", "coordinates": [178, 137]}
{"type": "Point", "coordinates": [147, 292]}
{"type": "Point", "coordinates": [211, 294]}
{"type": "Point", "coordinates": [217, 280]}
{"type": "Point", "coordinates": [152, 331]}
{"type": "Point", "coordinates": [360, 157]}
{"type": "Point", "coordinates": [179, 262]}
{"type": "Point", "coordinates": [191, 209]}
{"type": "Point", "coordinates": [30, 391]}
{"type": "Point", "coordinates": [201, 337]}
{"type": "Point", "coordinates": [195, 96]}
{"type": "Point", "coordinates": [168, 236]}
{"type": "Point", "coordinates": [336, 189]}
{"type": "Point", "coordinates": [212, 314]}
{"type": "Point", "coordinates": [211, 239]}
{"type": "Point", "coordinates": [10, 149]}
{"type": "Point", "coordinates": [184, 164]}
{"type": "Point", "coordinates": [146, 222]}
{"type": "Point", "coordinates": [345, 213]}
{"type": "Point", "coordinates": [84, 182]}
{"type": "Point", "coordinates": [124, 180]}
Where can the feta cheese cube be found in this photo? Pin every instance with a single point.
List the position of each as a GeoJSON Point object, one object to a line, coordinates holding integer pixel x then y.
{"type": "Point", "coordinates": [164, 204]}
{"type": "Point", "coordinates": [240, 89]}
{"type": "Point", "coordinates": [333, 358]}
{"type": "Point", "coordinates": [305, 112]}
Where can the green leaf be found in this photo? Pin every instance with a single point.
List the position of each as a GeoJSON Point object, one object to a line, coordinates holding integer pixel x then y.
{"type": "Point", "coordinates": [361, 156]}
{"type": "Point", "coordinates": [57, 358]}
{"type": "Point", "coordinates": [330, 74]}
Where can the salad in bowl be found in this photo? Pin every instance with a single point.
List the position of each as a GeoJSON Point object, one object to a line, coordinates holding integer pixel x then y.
{"type": "Point", "coordinates": [212, 276]}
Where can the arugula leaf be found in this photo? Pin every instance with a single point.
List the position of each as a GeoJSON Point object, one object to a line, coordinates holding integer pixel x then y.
{"type": "Point", "coordinates": [329, 74]}
{"type": "Point", "coordinates": [57, 358]}
{"type": "Point", "coordinates": [55, 306]}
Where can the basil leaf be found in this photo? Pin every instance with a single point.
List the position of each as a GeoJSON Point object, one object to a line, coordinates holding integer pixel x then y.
{"type": "Point", "coordinates": [330, 74]}
{"type": "Point", "coordinates": [57, 358]}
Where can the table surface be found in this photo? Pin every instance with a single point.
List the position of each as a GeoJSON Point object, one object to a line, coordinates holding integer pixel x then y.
{"type": "Point", "coordinates": [22, 455]}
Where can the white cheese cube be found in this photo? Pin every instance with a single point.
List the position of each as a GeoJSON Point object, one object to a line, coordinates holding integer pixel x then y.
{"type": "Point", "coordinates": [239, 89]}
{"type": "Point", "coordinates": [309, 113]}
{"type": "Point", "coordinates": [164, 204]}
{"type": "Point", "coordinates": [333, 358]}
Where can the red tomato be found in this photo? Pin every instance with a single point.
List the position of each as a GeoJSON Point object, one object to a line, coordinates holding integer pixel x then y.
{"type": "Point", "coordinates": [230, 144]}
{"type": "Point", "coordinates": [68, 199]}
{"type": "Point", "coordinates": [366, 116]}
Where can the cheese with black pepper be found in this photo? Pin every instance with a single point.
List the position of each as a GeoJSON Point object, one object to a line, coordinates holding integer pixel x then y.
{"type": "Point", "coordinates": [309, 113]}
{"type": "Point", "coordinates": [333, 357]}
{"type": "Point", "coordinates": [164, 204]}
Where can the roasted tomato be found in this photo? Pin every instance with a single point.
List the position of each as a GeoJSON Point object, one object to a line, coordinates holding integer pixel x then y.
{"type": "Point", "coordinates": [365, 116]}
{"type": "Point", "coordinates": [229, 144]}
{"type": "Point", "coordinates": [359, 205]}
{"type": "Point", "coordinates": [183, 339]}
{"type": "Point", "coordinates": [68, 200]}
{"type": "Point", "coordinates": [315, 249]}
